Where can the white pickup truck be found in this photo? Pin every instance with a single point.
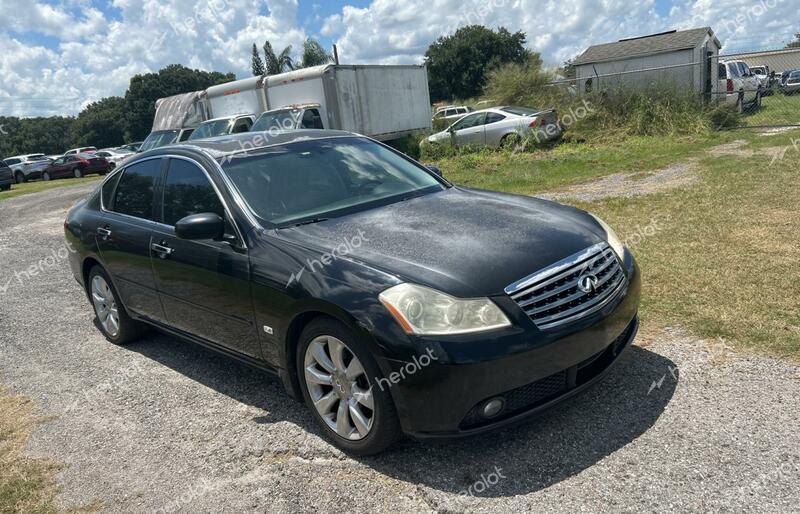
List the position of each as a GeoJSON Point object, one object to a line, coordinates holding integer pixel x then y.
{"type": "Point", "coordinates": [383, 102]}
{"type": "Point", "coordinates": [232, 107]}
{"type": "Point", "coordinates": [739, 86]}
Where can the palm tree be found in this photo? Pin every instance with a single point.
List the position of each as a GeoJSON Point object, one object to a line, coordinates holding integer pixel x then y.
{"type": "Point", "coordinates": [314, 54]}
{"type": "Point", "coordinates": [279, 63]}
{"type": "Point", "coordinates": [256, 64]}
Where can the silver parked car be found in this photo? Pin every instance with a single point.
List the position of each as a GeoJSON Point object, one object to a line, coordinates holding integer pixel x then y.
{"type": "Point", "coordinates": [451, 113]}
{"type": "Point", "coordinates": [499, 126]}
{"type": "Point", "coordinates": [791, 84]}
{"type": "Point", "coordinates": [27, 167]}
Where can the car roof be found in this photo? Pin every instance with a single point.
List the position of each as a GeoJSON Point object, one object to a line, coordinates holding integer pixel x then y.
{"type": "Point", "coordinates": [248, 141]}
{"type": "Point", "coordinates": [226, 117]}
{"type": "Point", "coordinates": [292, 106]}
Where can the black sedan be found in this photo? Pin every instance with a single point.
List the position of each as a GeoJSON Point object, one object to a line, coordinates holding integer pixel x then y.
{"type": "Point", "coordinates": [6, 177]}
{"type": "Point", "coordinates": [76, 165]}
{"type": "Point", "coordinates": [386, 298]}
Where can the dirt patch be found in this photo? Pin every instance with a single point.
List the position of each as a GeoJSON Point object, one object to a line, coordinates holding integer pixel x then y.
{"type": "Point", "coordinates": [775, 131]}
{"type": "Point", "coordinates": [732, 148]}
{"type": "Point", "coordinates": [627, 185]}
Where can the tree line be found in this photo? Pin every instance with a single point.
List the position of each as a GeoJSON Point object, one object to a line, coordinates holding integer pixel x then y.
{"type": "Point", "coordinates": [457, 64]}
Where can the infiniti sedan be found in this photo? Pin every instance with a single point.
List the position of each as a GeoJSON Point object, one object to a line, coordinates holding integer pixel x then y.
{"type": "Point", "coordinates": [387, 299]}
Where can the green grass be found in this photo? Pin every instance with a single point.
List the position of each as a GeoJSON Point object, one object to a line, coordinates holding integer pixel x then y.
{"type": "Point", "coordinates": [776, 109]}
{"type": "Point", "coordinates": [26, 484]}
{"type": "Point", "coordinates": [723, 262]}
{"type": "Point", "coordinates": [40, 185]}
{"type": "Point", "coordinates": [570, 163]}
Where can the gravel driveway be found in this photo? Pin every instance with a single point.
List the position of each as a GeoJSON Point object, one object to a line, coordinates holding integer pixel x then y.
{"type": "Point", "coordinates": [162, 425]}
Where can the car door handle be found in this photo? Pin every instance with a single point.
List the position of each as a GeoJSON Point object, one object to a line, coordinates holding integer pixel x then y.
{"type": "Point", "coordinates": [104, 233]}
{"type": "Point", "coordinates": [161, 250]}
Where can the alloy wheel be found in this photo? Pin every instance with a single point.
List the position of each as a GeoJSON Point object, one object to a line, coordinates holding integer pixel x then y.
{"type": "Point", "coordinates": [105, 306]}
{"type": "Point", "coordinates": [339, 388]}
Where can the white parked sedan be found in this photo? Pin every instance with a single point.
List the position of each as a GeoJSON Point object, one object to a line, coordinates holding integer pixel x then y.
{"type": "Point", "coordinates": [499, 126]}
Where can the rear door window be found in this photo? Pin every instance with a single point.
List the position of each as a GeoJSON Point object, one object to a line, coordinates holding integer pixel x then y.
{"type": "Point", "coordinates": [312, 120]}
{"type": "Point", "coordinates": [242, 125]}
{"type": "Point", "coordinates": [134, 193]}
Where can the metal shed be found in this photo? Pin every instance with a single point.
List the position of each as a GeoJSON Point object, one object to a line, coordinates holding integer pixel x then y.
{"type": "Point", "coordinates": [685, 60]}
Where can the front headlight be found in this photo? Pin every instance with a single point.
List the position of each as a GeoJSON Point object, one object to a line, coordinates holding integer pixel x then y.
{"type": "Point", "coordinates": [612, 238]}
{"type": "Point", "coordinates": [424, 311]}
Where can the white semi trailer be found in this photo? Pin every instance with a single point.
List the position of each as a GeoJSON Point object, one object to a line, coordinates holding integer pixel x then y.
{"type": "Point", "coordinates": [383, 102]}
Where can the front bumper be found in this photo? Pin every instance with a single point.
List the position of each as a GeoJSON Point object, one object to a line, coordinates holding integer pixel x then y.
{"type": "Point", "coordinates": [530, 370]}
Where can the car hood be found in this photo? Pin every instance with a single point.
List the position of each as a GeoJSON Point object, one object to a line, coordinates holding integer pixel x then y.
{"type": "Point", "coordinates": [467, 243]}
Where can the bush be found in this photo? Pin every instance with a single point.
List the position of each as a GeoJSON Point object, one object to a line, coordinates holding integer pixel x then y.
{"type": "Point", "coordinates": [435, 151]}
{"type": "Point", "coordinates": [409, 145]}
{"type": "Point", "coordinates": [611, 114]}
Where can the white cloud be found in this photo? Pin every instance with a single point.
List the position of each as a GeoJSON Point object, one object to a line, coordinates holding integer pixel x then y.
{"type": "Point", "coordinates": [96, 56]}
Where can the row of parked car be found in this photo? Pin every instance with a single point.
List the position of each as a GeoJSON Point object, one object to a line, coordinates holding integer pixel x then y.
{"type": "Point", "coordinates": [77, 162]}
{"type": "Point", "coordinates": [745, 85]}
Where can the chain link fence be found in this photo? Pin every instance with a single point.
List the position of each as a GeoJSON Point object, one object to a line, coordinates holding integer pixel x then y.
{"type": "Point", "coordinates": [753, 89]}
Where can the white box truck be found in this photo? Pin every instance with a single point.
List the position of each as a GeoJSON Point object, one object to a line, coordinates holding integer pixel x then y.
{"type": "Point", "coordinates": [232, 107]}
{"type": "Point", "coordinates": [176, 118]}
{"type": "Point", "coordinates": [383, 102]}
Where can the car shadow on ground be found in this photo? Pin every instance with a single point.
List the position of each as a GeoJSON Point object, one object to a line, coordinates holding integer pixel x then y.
{"type": "Point", "coordinates": [562, 442]}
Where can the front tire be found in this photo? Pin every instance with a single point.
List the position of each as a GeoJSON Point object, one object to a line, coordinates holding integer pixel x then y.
{"type": "Point", "coordinates": [5, 187]}
{"type": "Point", "coordinates": [112, 320]}
{"type": "Point", "coordinates": [338, 377]}
{"type": "Point", "coordinates": [46, 176]}
{"type": "Point", "coordinates": [20, 178]}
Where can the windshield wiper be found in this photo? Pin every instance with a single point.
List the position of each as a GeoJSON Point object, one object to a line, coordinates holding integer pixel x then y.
{"type": "Point", "coordinates": [308, 221]}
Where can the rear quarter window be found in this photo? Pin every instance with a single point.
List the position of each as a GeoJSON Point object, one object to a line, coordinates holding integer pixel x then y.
{"type": "Point", "coordinates": [134, 192]}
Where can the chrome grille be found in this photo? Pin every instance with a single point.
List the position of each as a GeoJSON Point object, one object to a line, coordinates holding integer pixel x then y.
{"type": "Point", "coordinates": [552, 296]}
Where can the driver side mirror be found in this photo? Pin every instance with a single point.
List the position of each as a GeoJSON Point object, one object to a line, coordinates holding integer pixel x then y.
{"type": "Point", "coordinates": [206, 225]}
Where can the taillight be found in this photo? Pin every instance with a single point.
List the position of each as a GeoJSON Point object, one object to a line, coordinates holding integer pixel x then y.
{"type": "Point", "coordinates": [730, 85]}
{"type": "Point", "coordinates": [84, 162]}
{"type": "Point", "coordinates": [537, 123]}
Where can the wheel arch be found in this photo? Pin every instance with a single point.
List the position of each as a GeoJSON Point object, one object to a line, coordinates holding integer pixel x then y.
{"type": "Point", "coordinates": [294, 328]}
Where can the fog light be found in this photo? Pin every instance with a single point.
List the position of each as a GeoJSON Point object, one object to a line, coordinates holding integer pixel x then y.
{"type": "Point", "coordinates": [492, 407]}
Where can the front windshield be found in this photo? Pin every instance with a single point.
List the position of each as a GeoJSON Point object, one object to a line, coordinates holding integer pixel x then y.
{"type": "Point", "coordinates": [211, 129]}
{"type": "Point", "coordinates": [288, 184]}
{"type": "Point", "coordinates": [158, 139]}
{"type": "Point", "coordinates": [277, 121]}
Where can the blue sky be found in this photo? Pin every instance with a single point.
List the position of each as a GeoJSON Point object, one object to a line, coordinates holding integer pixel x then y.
{"type": "Point", "coordinates": [72, 52]}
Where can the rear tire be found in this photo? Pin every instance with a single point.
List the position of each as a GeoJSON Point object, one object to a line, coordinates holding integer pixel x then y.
{"type": "Point", "coordinates": [111, 317]}
{"type": "Point", "coordinates": [77, 172]}
{"type": "Point", "coordinates": [5, 187]}
{"type": "Point", "coordinates": [347, 389]}
{"type": "Point", "coordinates": [510, 141]}
{"type": "Point", "coordinates": [46, 176]}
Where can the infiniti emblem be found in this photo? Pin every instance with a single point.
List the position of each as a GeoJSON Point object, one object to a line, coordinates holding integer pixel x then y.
{"type": "Point", "coordinates": [587, 283]}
